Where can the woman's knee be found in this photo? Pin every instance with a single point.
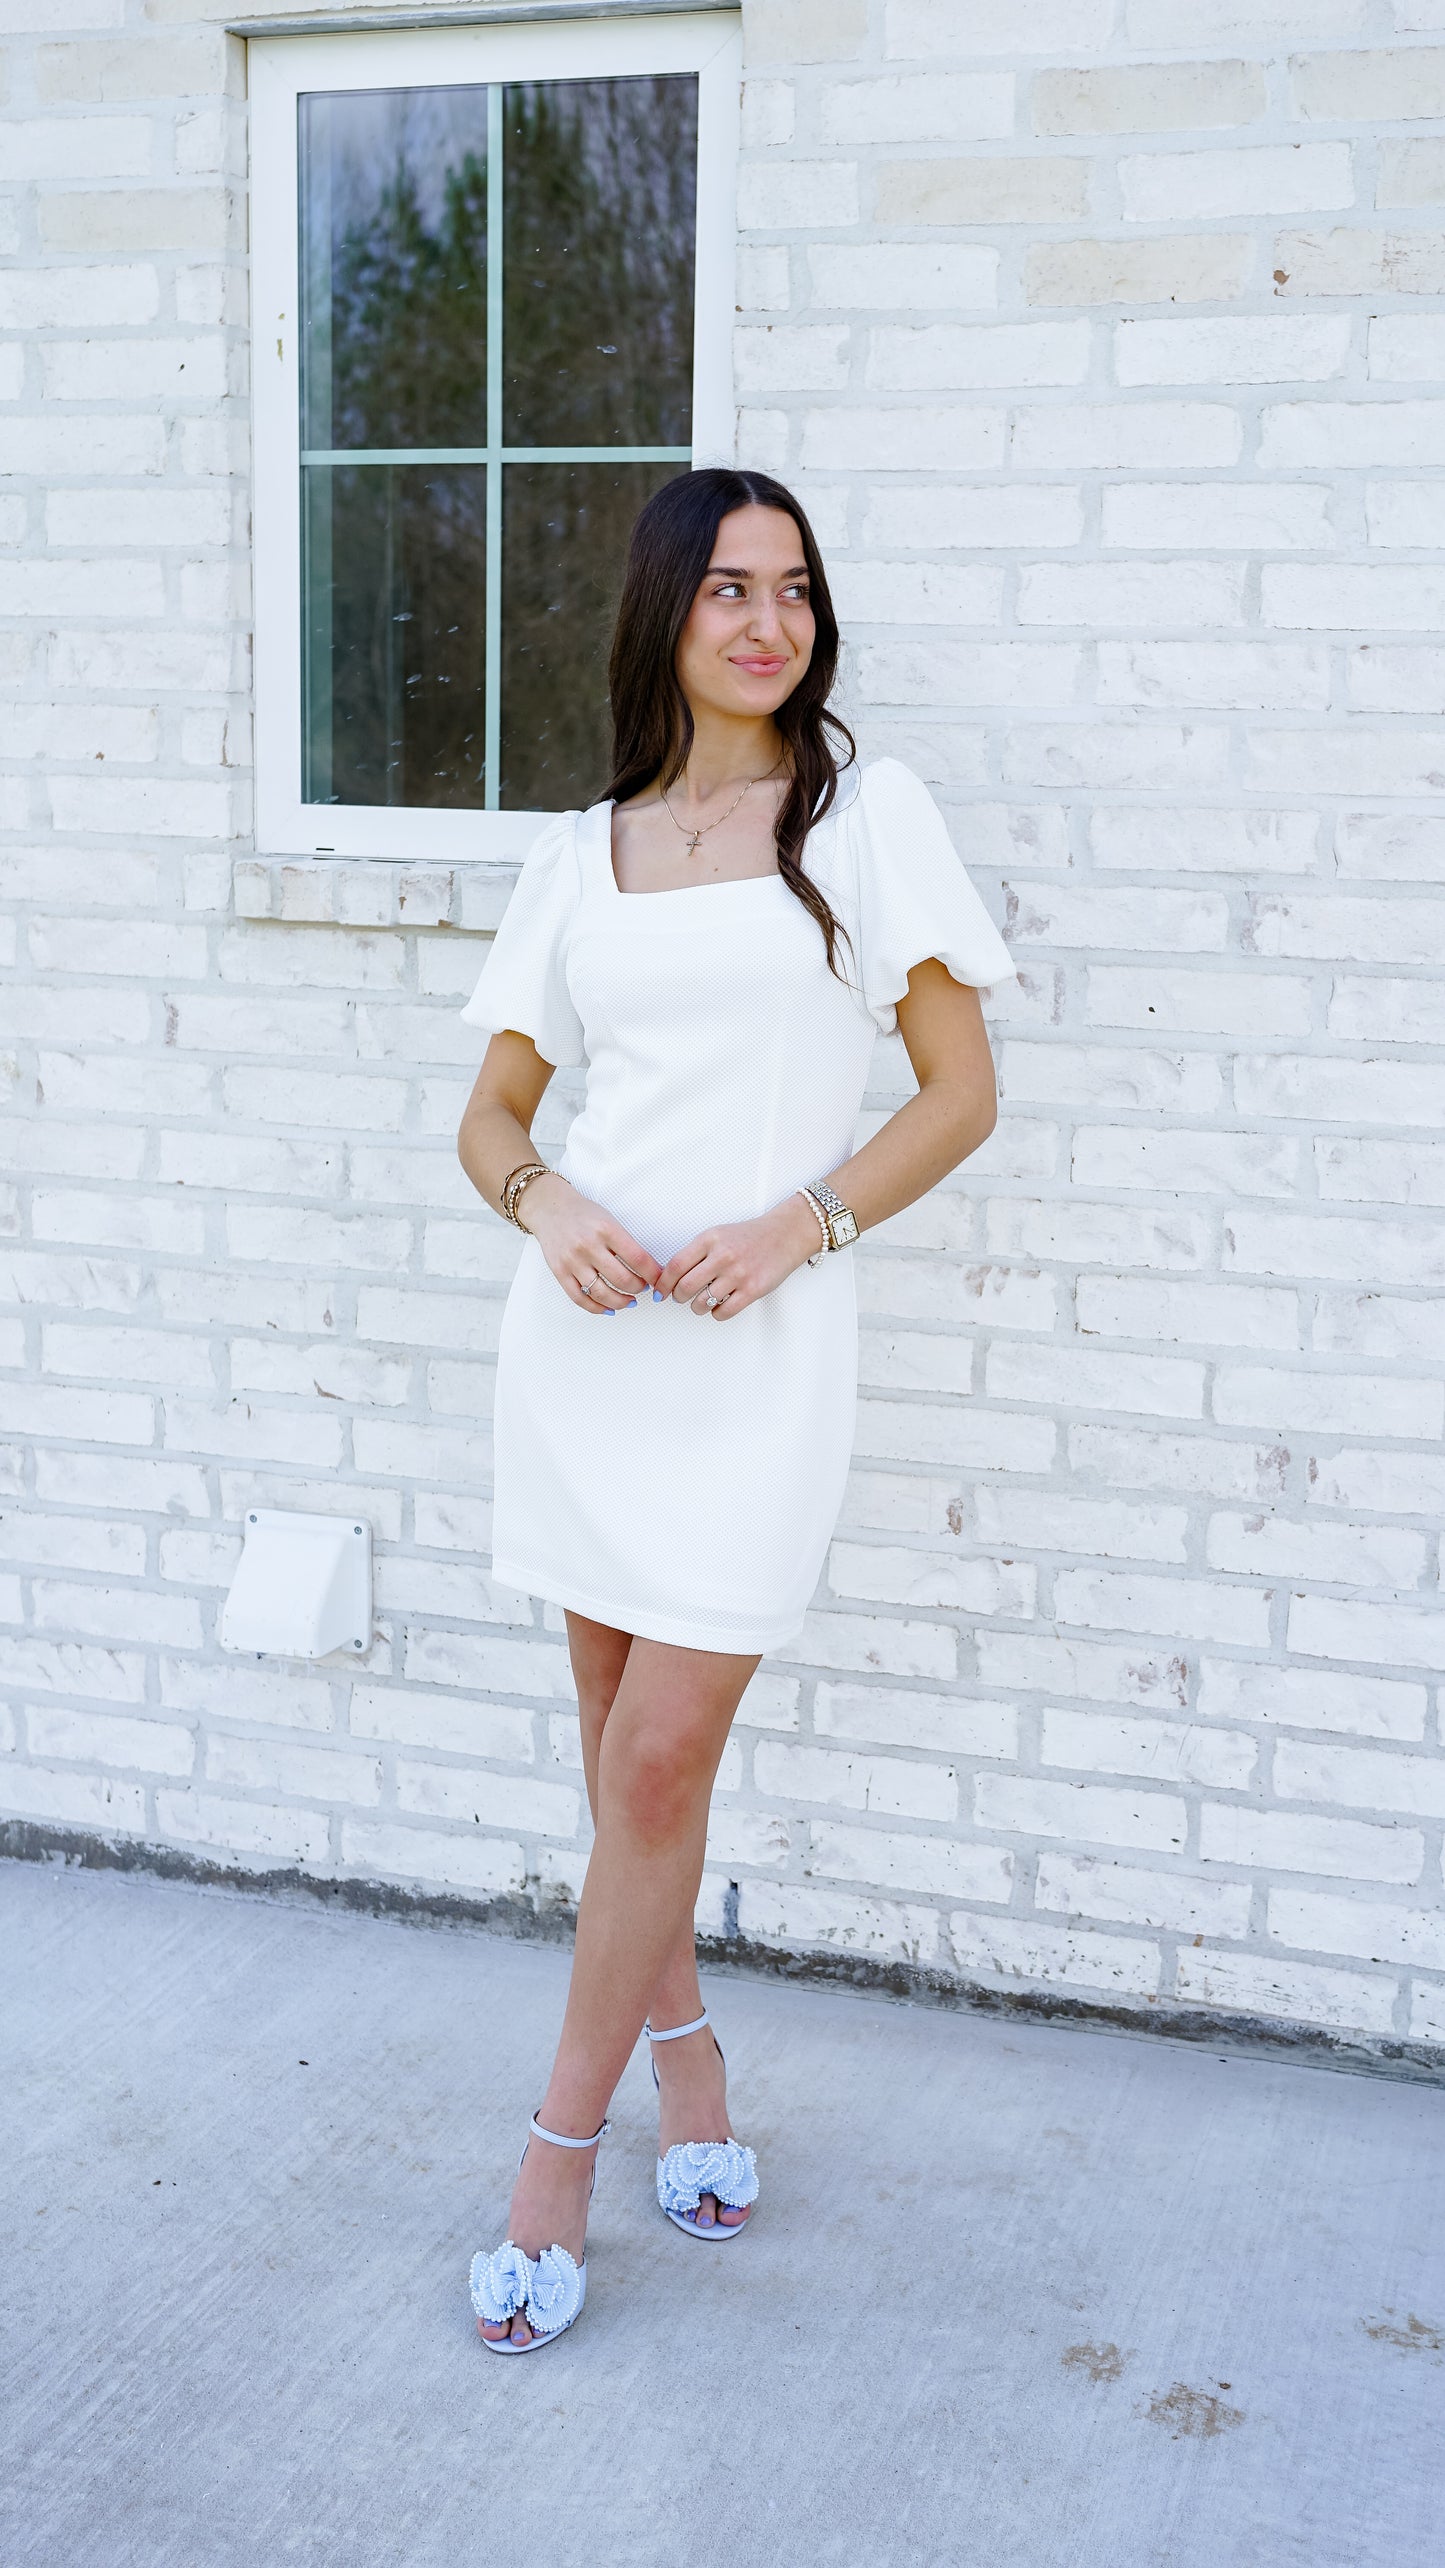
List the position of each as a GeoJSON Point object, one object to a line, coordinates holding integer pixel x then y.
{"type": "Point", "coordinates": [654, 1778]}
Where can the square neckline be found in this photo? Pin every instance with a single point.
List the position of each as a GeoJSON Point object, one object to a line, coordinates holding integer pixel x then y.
{"type": "Point", "coordinates": [673, 891]}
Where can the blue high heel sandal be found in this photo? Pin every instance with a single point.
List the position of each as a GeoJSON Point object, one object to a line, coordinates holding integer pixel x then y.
{"type": "Point", "coordinates": [692, 2168]}
{"type": "Point", "coordinates": [550, 2288]}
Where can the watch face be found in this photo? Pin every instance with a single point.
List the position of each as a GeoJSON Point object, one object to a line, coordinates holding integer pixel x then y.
{"type": "Point", "coordinates": [844, 1228]}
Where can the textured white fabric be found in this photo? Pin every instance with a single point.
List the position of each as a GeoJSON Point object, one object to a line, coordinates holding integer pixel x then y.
{"type": "Point", "coordinates": [674, 1476]}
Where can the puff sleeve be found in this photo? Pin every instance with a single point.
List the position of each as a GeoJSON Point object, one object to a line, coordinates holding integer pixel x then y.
{"type": "Point", "coordinates": [914, 898]}
{"type": "Point", "coordinates": [523, 984]}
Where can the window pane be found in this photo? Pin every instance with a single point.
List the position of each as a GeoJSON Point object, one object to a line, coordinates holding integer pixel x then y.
{"type": "Point", "coordinates": [600, 197]}
{"type": "Point", "coordinates": [564, 544]}
{"type": "Point", "coordinates": [395, 576]}
{"type": "Point", "coordinates": [394, 268]}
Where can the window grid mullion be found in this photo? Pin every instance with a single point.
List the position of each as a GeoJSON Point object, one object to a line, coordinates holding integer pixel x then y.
{"type": "Point", "coordinates": [492, 639]}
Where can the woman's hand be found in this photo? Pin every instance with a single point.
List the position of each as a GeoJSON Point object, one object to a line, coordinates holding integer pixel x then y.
{"type": "Point", "coordinates": [724, 1269]}
{"type": "Point", "coordinates": [598, 1264]}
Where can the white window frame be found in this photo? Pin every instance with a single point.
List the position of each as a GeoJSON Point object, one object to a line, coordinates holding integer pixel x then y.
{"type": "Point", "coordinates": [707, 42]}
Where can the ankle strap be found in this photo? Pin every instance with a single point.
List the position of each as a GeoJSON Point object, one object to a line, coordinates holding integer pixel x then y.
{"type": "Point", "coordinates": [678, 2030]}
{"type": "Point", "coordinates": [560, 2140]}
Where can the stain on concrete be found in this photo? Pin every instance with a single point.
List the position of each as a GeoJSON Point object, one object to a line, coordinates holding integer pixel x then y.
{"type": "Point", "coordinates": [1195, 2415]}
{"type": "Point", "coordinates": [1415, 2337]}
{"type": "Point", "coordinates": [1095, 2362]}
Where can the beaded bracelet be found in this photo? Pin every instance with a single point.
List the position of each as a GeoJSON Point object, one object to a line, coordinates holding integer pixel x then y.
{"type": "Point", "coordinates": [516, 1186]}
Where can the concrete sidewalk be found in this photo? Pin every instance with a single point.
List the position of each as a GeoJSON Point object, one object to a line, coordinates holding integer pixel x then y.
{"type": "Point", "coordinates": [1017, 2297]}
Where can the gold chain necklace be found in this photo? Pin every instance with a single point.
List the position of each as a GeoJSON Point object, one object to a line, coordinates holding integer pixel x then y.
{"type": "Point", "coordinates": [692, 836]}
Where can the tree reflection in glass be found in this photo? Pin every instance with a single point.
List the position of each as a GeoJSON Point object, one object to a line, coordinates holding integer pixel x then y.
{"type": "Point", "coordinates": [598, 185]}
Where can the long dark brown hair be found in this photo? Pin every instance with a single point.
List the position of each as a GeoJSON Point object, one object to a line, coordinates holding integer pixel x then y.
{"type": "Point", "coordinates": [652, 725]}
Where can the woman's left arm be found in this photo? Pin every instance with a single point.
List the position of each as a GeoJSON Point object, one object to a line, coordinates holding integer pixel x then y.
{"type": "Point", "coordinates": [955, 1110]}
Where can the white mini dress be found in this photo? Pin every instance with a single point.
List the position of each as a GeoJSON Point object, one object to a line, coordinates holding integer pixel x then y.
{"type": "Point", "coordinates": [673, 1476]}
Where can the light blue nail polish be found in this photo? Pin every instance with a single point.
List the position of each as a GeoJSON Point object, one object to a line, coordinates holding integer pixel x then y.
{"type": "Point", "coordinates": [657, 1297]}
{"type": "Point", "coordinates": [608, 1313]}
{"type": "Point", "coordinates": [632, 1305]}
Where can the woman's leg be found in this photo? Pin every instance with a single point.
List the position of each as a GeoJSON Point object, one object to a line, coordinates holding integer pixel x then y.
{"type": "Point", "coordinates": [657, 1756]}
{"type": "Point", "coordinates": [691, 2077]}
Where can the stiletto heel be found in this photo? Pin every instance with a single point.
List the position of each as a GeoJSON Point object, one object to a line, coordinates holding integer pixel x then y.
{"type": "Point", "coordinates": [692, 2168]}
{"type": "Point", "coordinates": [549, 2288]}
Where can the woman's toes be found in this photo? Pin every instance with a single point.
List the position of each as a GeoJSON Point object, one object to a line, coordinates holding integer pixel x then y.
{"type": "Point", "coordinates": [521, 2332]}
{"type": "Point", "coordinates": [706, 2212]}
{"type": "Point", "coordinates": [730, 2217]}
{"type": "Point", "coordinates": [493, 2329]}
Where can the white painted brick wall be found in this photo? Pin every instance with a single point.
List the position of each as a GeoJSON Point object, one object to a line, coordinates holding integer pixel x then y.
{"type": "Point", "coordinates": [1104, 338]}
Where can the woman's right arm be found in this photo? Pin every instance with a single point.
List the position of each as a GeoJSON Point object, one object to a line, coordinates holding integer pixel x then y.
{"type": "Point", "coordinates": [581, 1242]}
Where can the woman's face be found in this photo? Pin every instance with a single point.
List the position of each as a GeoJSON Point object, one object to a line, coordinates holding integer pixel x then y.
{"type": "Point", "coordinates": [749, 637]}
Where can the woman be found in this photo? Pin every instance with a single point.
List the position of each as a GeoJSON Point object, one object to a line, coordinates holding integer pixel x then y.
{"type": "Point", "coordinates": [719, 940]}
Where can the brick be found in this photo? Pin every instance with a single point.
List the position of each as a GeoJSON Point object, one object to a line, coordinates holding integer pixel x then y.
{"type": "Point", "coordinates": [109, 1739]}
{"type": "Point", "coordinates": [1386, 1635]}
{"type": "Point", "coordinates": [1228, 516]}
{"type": "Point", "coordinates": [1235, 349]}
{"type": "Point", "coordinates": [486, 1800]}
{"type": "Point", "coordinates": [1259, 1985]}
{"type": "Point", "coordinates": [1128, 1895]}
{"type": "Point", "coordinates": [890, 1861]}
{"type": "Point", "coordinates": [1148, 98]}
{"type": "Point", "coordinates": [1282, 1841]}
{"type": "Point", "coordinates": [1257, 1242]}
{"type": "Point", "coordinates": [1089, 1378]}
{"type": "Point", "coordinates": [1096, 595]}
{"type": "Point", "coordinates": [982, 191]}
{"type": "Point", "coordinates": [946, 672]}
{"type": "Point", "coordinates": [1355, 261]}
{"type": "Point", "coordinates": [83, 1800]}
{"type": "Point", "coordinates": [487, 1665]}
{"type": "Point", "coordinates": [920, 107]}
{"type": "Point", "coordinates": [1159, 1751]}
{"type": "Point", "coordinates": [1336, 1555]}
{"type": "Point", "coordinates": [233, 1691]}
{"type": "Point", "coordinates": [241, 1828]}
{"type": "Point", "coordinates": [890, 1574]}
{"type": "Point", "coordinates": [865, 1642]}
{"type": "Point", "coordinates": [1235, 675]}
{"type": "Point", "coordinates": [1184, 1609]}
{"type": "Point", "coordinates": [920, 28]}
{"type": "Point", "coordinates": [902, 276]}
{"type": "Point", "coordinates": [1379, 1324]}
{"type": "Point", "coordinates": [1401, 1011]}
{"type": "Point", "coordinates": [976, 1441]}
{"type": "Point", "coordinates": [1095, 1234]}
{"type": "Point", "coordinates": [1128, 435]}
{"type": "Point", "coordinates": [798, 195]}
{"type": "Point", "coordinates": [1035, 1519]}
{"type": "Point", "coordinates": [1405, 347]}
{"type": "Point", "coordinates": [1381, 680]}
{"type": "Point", "coordinates": [1195, 186]}
{"type": "Point", "coordinates": [190, 219]}
{"type": "Point", "coordinates": [1348, 929]}
{"type": "Point", "coordinates": [954, 1723]}
{"type": "Point", "coordinates": [1381, 1172]}
{"type": "Point", "coordinates": [1411, 173]}
{"type": "Point", "coordinates": [1335, 761]}
{"type": "Point", "coordinates": [1185, 922]}
{"type": "Point", "coordinates": [1376, 594]}
{"type": "Point", "coordinates": [953, 518]}
{"type": "Point", "coordinates": [1362, 1778]}
{"type": "Point", "coordinates": [775, 358]}
{"type": "Point", "coordinates": [904, 1360]}
{"type": "Point", "coordinates": [1192, 1162]}
{"type": "Point", "coordinates": [310, 1773]}
{"type": "Point", "coordinates": [1310, 1699]}
{"type": "Point", "coordinates": [1205, 1315]}
{"type": "Point", "coordinates": [916, 593]}
{"type": "Point", "coordinates": [133, 369]}
{"type": "Point", "coordinates": [908, 438]}
{"type": "Point", "coordinates": [794, 1914]}
{"type": "Point", "coordinates": [1108, 756]}
{"type": "Point", "coordinates": [1353, 86]}
{"type": "Point", "coordinates": [944, 356]}
{"type": "Point", "coordinates": [1178, 267]}
{"type": "Point", "coordinates": [1089, 1813]}
{"type": "Point", "coordinates": [1375, 1930]}
{"type": "Point", "coordinates": [485, 1865]}
{"type": "Point", "coordinates": [1367, 1092]}
{"type": "Point", "coordinates": [1009, 1948]}
{"type": "Point", "coordinates": [1334, 1403]}
{"type": "Point", "coordinates": [1349, 433]}
{"type": "Point", "coordinates": [799, 31]}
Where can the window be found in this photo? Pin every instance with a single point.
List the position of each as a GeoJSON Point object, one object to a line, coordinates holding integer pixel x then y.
{"type": "Point", "coordinates": [493, 302]}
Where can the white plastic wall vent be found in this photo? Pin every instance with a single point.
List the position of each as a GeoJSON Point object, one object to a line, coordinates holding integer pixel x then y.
{"type": "Point", "coordinates": [302, 1587]}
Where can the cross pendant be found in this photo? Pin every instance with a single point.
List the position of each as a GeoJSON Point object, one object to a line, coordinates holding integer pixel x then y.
{"type": "Point", "coordinates": [692, 842]}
